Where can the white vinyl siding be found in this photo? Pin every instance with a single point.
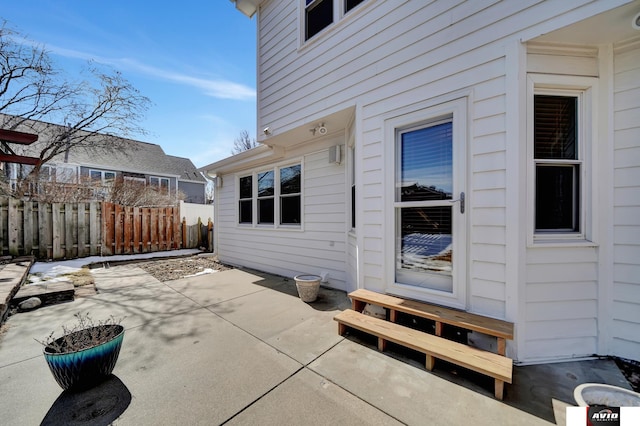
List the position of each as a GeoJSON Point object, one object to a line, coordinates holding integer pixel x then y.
{"type": "Point", "coordinates": [561, 292]}
{"type": "Point", "coordinates": [626, 202]}
{"type": "Point", "coordinates": [317, 247]}
{"type": "Point", "coordinates": [391, 58]}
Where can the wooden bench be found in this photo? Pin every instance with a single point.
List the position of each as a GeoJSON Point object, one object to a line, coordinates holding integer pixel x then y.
{"type": "Point", "coordinates": [488, 363]}
{"type": "Point", "coordinates": [502, 330]}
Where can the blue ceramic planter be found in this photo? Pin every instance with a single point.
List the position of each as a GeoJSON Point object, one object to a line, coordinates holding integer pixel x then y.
{"type": "Point", "coordinates": [88, 367]}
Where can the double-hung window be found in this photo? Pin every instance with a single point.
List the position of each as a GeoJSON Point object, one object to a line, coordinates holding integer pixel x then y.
{"type": "Point", "coordinates": [558, 164]}
{"type": "Point", "coordinates": [319, 14]}
{"type": "Point", "coordinates": [266, 196]}
{"type": "Point", "coordinates": [290, 195]}
{"type": "Point", "coordinates": [245, 203]}
{"type": "Point", "coordinates": [562, 175]}
{"type": "Point", "coordinates": [271, 197]}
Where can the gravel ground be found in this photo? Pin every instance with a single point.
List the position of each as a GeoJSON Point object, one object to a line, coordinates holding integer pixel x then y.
{"type": "Point", "coordinates": [173, 269]}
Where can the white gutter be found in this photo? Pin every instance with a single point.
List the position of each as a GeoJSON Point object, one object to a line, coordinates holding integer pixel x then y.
{"type": "Point", "coordinates": [256, 156]}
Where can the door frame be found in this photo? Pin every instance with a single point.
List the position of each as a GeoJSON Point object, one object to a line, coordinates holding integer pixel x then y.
{"type": "Point", "coordinates": [457, 108]}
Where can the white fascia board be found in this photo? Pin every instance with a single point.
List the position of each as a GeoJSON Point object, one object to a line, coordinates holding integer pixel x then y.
{"type": "Point", "coordinates": [252, 157]}
{"type": "Point", "coordinates": [248, 7]}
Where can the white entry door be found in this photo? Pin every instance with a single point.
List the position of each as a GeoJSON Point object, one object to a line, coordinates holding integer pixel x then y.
{"type": "Point", "coordinates": [429, 212]}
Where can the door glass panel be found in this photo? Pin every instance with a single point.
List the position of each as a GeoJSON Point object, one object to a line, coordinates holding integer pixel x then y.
{"type": "Point", "coordinates": [426, 164]}
{"type": "Point", "coordinates": [424, 211]}
{"type": "Point", "coordinates": [425, 252]}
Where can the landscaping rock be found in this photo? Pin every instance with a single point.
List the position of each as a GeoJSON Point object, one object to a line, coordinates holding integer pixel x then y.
{"type": "Point", "coordinates": [29, 304]}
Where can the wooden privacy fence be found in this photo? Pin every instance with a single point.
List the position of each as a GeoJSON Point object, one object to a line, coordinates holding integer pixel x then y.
{"type": "Point", "coordinates": [72, 230]}
{"type": "Point", "coordinates": [128, 230]}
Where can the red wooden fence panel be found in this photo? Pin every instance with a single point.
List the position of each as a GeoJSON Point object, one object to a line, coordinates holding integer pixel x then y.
{"type": "Point", "coordinates": [140, 229]}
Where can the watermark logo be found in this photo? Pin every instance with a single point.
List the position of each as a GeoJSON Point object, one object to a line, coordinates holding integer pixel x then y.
{"type": "Point", "coordinates": [598, 415]}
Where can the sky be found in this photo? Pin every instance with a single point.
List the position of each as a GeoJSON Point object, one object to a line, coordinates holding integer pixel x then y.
{"type": "Point", "coordinates": [195, 60]}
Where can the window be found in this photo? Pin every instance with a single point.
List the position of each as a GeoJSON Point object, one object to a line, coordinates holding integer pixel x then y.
{"type": "Point", "coordinates": [105, 177]}
{"type": "Point", "coordinates": [561, 174]}
{"type": "Point", "coordinates": [275, 193]}
{"type": "Point", "coordinates": [161, 183]}
{"type": "Point", "coordinates": [266, 195]}
{"type": "Point", "coordinates": [135, 180]}
{"type": "Point", "coordinates": [57, 173]}
{"type": "Point", "coordinates": [245, 204]}
{"type": "Point", "coordinates": [558, 164]}
{"type": "Point", "coordinates": [350, 4]}
{"type": "Point", "coordinates": [318, 16]}
{"type": "Point", "coordinates": [290, 190]}
{"type": "Point", "coordinates": [352, 178]}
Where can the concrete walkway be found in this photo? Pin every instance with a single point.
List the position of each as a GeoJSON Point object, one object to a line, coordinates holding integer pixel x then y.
{"type": "Point", "coordinates": [239, 347]}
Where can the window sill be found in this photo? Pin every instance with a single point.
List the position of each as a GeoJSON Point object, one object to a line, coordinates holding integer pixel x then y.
{"type": "Point", "coordinates": [568, 242]}
{"type": "Point", "coordinates": [263, 227]}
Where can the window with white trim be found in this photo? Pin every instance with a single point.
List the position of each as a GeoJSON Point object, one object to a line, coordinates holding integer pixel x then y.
{"type": "Point", "coordinates": [558, 163]}
{"type": "Point", "coordinates": [245, 200]}
{"type": "Point", "coordinates": [561, 174]}
{"type": "Point", "coordinates": [104, 176]}
{"type": "Point", "coordinates": [271, 197]}
{"type": "Point", "coordinates": [290, 195]}
{"type": "Point", "coordinates": [266, 196]}
{"type": "Point", "coordinates": [57, 173]}
{"type": "Point", "coordinates": [320, 14]}
{"type": "Point", "coordinates": [161, 184]}
{"type": "Point", "coordinates": [352, 179]}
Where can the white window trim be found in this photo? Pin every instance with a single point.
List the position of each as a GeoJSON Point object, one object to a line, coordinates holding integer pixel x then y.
{"type": "Point", "coordinates": [256, 198]}
{"type": "Point", "coordinates": [61, 170]}
{"type": "Point", "coordinates": [238, 199]}
{"type": "Point", "coordinates": [276, 196]}
{"type": "Point", "coordinates": [102, 173]}
{"type": "Point", "coordinates": [135, 179]}
{"type": "Point", "coordinates": [586, 89]}
{"type": "Point", "coordinates": [160, 179]}
{"type": "Point", "coordinates": [339, 17]}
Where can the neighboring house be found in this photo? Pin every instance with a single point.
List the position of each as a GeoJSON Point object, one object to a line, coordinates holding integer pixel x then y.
{"type": "Point", "coordinates": [480, 155]}
{"type": "Point", "coordinates": [121, 158]}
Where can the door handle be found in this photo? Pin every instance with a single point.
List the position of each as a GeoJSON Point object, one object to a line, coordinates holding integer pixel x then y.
{"type": "Point", "coordinates": [461, 200]}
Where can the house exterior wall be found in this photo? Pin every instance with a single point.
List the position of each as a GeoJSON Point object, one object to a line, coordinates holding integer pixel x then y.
{"type": "Point", "coordinates": [193, 191]}
{"type": "Point", "coordinates": [317, 246]}
{"type": "Point", "coordinates": [562, 290]}
{"type": "Point", "coordinates": [387, 60]}
{"type": "Point", "coordinates": [626, 202]}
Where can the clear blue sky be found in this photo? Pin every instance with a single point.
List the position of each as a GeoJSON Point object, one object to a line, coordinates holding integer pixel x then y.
{"type": "Point", "coordinates": [194, 59]}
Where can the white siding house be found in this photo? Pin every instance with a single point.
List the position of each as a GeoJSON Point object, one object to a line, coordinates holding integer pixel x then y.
{"type": "Point", "coordinates": [489, 160]}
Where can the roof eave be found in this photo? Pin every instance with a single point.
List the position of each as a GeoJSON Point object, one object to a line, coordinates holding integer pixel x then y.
{"type": "Point", "coordinates": [246, 159]}
{"type": "Point", "coordinates": [248, 7]}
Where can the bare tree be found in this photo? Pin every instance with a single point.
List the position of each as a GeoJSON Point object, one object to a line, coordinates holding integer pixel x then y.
{"type": "Point", "coordinates": [243, 143]}
{"type": "Point", "coordinates": [120, 191]}
{"type": "Point", "coordinates": [34, 94]}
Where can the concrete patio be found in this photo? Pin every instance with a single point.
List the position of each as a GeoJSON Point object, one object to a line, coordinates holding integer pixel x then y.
{"type": "Point", "coordinates": [239, 347]}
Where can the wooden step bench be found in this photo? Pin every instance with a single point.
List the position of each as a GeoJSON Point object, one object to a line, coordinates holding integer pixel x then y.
{"type": "Point", "coordinates": [502, 330]}
{"type": "Point", "coordinates": [488, 363]}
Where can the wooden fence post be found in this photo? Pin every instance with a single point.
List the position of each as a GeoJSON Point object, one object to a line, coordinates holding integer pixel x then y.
{"type": "Point", "coordinates": [184, 233]}
{"type": "Point", "coordinates": [14, 226]}
{"type": "Point", "coordinates": [210, 235]}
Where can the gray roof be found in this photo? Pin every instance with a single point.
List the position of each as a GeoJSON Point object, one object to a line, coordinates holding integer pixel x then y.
{"type": "Point", "coordinates": [120, 154]}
